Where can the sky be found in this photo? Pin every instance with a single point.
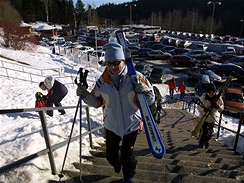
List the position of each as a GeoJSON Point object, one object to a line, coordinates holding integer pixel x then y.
{"type": "Point", "coordinates": [21, 133]}
{"type": "Point", "coordinates": [96, 3]}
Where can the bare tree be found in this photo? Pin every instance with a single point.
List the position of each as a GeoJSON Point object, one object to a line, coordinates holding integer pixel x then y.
{"type": "Point", "coordinates": [46, 6]}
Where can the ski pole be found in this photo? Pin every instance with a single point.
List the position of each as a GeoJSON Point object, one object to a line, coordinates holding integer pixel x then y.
{"type": "Point", "coordinates": [83, 82]}
{"type": "Point", "coordinates": [61, 175]}
{"type": "Point", "coordinates": [79, 106]}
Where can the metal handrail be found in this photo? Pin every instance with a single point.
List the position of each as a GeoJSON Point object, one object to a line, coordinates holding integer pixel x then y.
{"type": "Point", "coordinates": [49, 149]}
{"type": "Point", "coordinates": [24, 68]}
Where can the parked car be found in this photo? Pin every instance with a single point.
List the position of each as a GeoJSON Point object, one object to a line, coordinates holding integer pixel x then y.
{"type": "Point", "coordinates": [181, 60]}
{"type": "Point", "coordinates": [206, 63]}
{"type": "Point", "coordinates": [143, 68]}
{"type": "Point", "coordinates": [198, 54]}
{"type": "Point", "coordinates": [100, 54]}
{"type": "Point", "coordinates": [201, 47]}
{"type": "Point", "coordinates": [233, 100]}
{"type": "Point", "coordinates": [143, 52]}
{"type": "Point", "coordinates": [55, 40]}
{"type": "Point", "coordinates": [197, 73]}
{"type": "Point", "coordinates": [167, 48]}
{"type": "Point", "coordinates": [220, 58]}
{"type": "Point", "coordinates": [133, 49]}
{"type": "Point", "coordinates": [157, 75]}
{"type": "Point", "coordinates": [202, 85]}
{"type": "Point", "coordinates": [149, 44]}
{"type": "Point", "coordinates": [237, 60]}
{"type": "Point", "coordinates": [157, 54]}
{"type": "Point", "coordinates": [86, 49]}
{"type": "Point", "coordinates": [230, 50]}
{"type": "Point", "coordinates": [229, 69]}
{"type": "Point", "coordinates": [177, 51]}
{"type": "Point", "coordinates": [158, 46]}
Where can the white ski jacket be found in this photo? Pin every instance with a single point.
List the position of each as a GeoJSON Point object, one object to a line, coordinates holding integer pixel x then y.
{"type": "Point", "coordinates": [121, 112]}
{"type": "Point", "coordinates": [214, 113]}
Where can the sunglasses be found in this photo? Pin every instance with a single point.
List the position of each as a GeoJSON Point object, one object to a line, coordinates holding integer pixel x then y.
{"type": "Point", "coordinates": [115, 63]}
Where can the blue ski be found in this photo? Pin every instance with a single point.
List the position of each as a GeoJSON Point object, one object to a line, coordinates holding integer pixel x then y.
{"type": "Point", "coordinates": [154, 139]}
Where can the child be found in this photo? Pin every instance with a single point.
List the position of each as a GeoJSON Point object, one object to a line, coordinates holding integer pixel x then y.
{"type": "Point", "coordinates": [172, 87]}
{"type": "Point", "coordinates": [182, 90]}
{"type": "Point", "coordinates": [41, 100]}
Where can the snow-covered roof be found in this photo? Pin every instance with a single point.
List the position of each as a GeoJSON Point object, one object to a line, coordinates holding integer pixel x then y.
{"type": "Point", "coordinates": [45, 27]}
{"type": "Point", "coordinates": [23, 24]}
{"type": "Point", "coordinates": [40, 26]}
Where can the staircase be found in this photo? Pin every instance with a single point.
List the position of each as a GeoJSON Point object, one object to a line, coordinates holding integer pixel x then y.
{"type": "Point", "coordinates": [184, 162]}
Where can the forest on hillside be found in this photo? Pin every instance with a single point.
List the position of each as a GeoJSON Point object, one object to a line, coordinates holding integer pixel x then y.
{"type": "Point", "coordinates": [182, 15]}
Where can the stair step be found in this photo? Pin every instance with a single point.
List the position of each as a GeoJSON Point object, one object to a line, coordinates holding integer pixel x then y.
{"type": "Point", "coordinates": [180, 157]}
{"type": "Point", "coordinates": [144, 162]}
{"type": "Point", "coordinates": [153, 176]}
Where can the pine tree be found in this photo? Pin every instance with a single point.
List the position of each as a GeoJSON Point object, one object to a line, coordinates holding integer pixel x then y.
{"type": "Point", "coordinates": [80, 13]}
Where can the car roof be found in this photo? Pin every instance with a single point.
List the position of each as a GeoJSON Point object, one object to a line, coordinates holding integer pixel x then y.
{"type": "Point", "coordinates": [158, 68]}
{"type": "Point", "coordinates": [235, 90]}
{"type": "Point", "coordinates": [230, 64]}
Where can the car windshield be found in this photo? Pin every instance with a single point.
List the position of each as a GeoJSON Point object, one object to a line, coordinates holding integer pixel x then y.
{"type": "Point", "coordinates": [234, 97]}
{"type": "Point", "coordinates": [157, 72]}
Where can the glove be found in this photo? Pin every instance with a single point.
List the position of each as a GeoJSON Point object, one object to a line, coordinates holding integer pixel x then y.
{"type": "Point", "coordinates": [215, 105]}
{"type": "Point", "coordinates": [205, 109]}
{"type": "Point", "coordinates": [140, 87]}
{"type": "Point", "coordinates": [81, 91]}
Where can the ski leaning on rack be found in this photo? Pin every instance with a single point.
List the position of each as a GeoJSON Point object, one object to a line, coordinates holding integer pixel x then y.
{"type": "Point", "coordinates": [154, 139]}
{"type": "Point", "coordinates": [205, 116]}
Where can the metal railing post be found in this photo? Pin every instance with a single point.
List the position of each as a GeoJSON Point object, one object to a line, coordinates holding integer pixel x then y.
{"type": "Point", "coordinates": [220, 119]}
{"type": "Point", "coordinates": [238, 130]}
{"type": "Point", "coordinates": [89, 126]}
{"type": "Point", "coordinates": [47, 140]}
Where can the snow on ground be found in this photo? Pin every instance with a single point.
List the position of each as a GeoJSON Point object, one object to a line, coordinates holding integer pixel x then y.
{"type": "Point", "coordinates": [21, 133]}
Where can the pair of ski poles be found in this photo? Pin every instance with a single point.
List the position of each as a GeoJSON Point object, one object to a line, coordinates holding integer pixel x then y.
{"type": "Point", "coordinates": [82, 81]}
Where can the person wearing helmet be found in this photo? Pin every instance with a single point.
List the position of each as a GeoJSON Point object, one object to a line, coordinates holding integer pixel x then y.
{"type": "Point", "coordinates": [209, 100]}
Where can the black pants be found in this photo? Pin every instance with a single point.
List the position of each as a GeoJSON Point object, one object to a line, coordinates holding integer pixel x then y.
{"type": "Point", "coordinates": [57, 102]}
{"type": "Point", "coordinates": [182, 95]}
{"type": "Point", "coordinates": [206, 132]}
{"type": "Point", "coordinates": [125, 157]}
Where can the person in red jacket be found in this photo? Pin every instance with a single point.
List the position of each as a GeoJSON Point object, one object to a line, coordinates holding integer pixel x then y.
{"type": "Point", "coordinates": [182, 90]}
{"type": "Point", "coordinates": [172, 87]}
{"type": "Point", "coordinates": [41, 100]}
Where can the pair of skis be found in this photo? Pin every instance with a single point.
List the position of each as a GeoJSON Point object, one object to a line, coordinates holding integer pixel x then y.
{"type": "Point", "coordinates": [154, 139]}
{"type": "Point", "coordinates": [197, 129]}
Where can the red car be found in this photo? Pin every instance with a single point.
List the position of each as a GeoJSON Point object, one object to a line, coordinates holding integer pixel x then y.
{"type": "Point", "coordinates": [182, 60]}
{"type": "Point", "coordinates": [233, 100]}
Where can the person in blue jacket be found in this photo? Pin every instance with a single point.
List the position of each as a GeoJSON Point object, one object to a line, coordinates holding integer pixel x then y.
{"type": "Point", "coordinates": [56, 92]}
{"type": "Point", "coordinates": [114, 91]}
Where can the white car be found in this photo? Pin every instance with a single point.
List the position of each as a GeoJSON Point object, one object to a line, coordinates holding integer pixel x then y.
{"type": "Point", "coordinates": [85, 49]}
{"type": "Point", "coordinates": [99, 54]}
{"type": "Point", "coordinates": [197, 73]}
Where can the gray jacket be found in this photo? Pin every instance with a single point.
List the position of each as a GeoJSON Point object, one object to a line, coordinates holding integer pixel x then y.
{"type": "Point", "coordinates": [121, 114]}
